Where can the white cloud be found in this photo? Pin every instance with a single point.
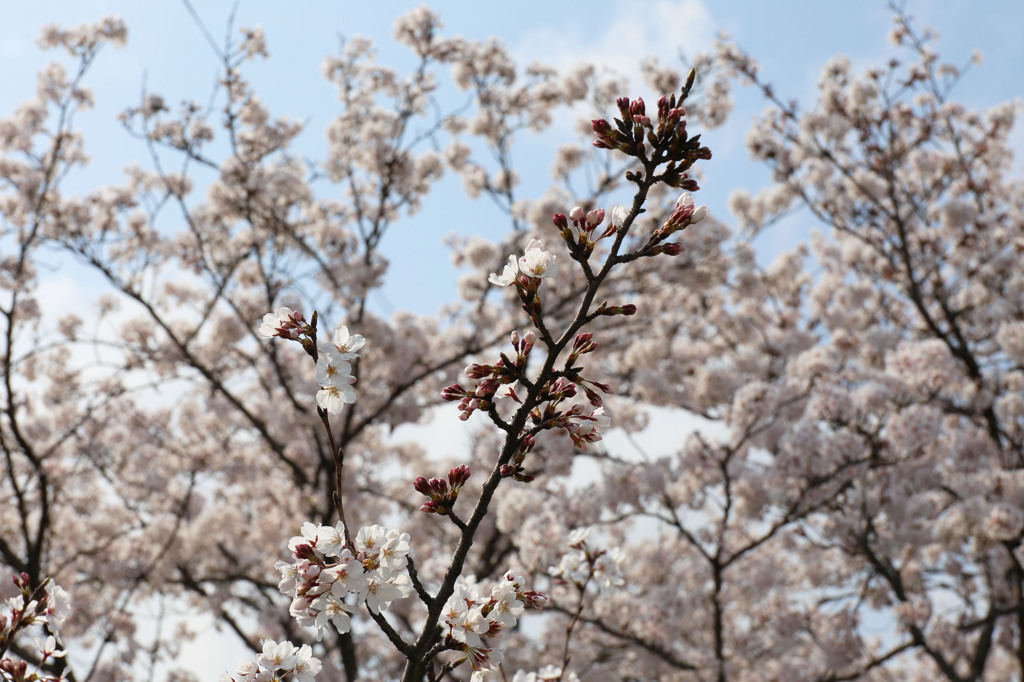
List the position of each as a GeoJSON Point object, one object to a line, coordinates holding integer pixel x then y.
{"type": "Point", "coordinates": [630, 32]}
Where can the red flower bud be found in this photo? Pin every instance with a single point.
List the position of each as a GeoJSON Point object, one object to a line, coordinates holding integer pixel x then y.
{"type": "Point", "coordinates": [458, 476]}
{"type": "Point", "coordinates": [438, 488]}
{"type": "Point", "coordinates": [476, 371]}
{"type": "Point", "coordinates": [453, 392]}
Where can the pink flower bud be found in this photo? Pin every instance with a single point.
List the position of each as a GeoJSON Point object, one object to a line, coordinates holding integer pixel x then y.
{"type": "Point", "coordinates": [605, 135]}
{"type": "Point", "coordinates": [560, 222]}
{"type": "Point", "coordinates": [487, 387]}
{"type": "Point", "coordinates": [304, 551]}
{"type": "Point", "coordinates": [576, 214]}
{"type": "Point", "coordinates": [583, 343]}
{"type": "Point", "coordinates": [527, 443]}
{"type": "Point", "coordinates": [458, 476]}
{"type": "Point", "coordinates": [476, 371]}
{"type": "Point", "coordinates": [699, 214]}
{"type": "Point", "coordinates": [438, 488]}
{"type": "Point", "coordinates": [532, 599]}
{"type": "Point", "coordinates": [453, 392]}
{"type": "Point", "coordinates": [595, 218]}
{"type": "Point", "coordinates": [672, 249]}
{"type": "Point", "coordinates": [421, 486]}
{"type": "Point", "coordinates": [562, 388]}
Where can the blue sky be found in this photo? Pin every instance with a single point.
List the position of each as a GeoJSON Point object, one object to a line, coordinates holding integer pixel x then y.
{"type": "Point", "coordinates": [791, 40]}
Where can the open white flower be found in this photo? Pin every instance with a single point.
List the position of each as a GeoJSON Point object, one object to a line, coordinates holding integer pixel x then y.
{"type": "Point", "coordinates": [334, 398]}
{"type": "Point", "coordinates": [331, 369]}
{"type": "Point", "coordinates": [347, 344]}
{"type": "Point", "coordinates": [537, 262]}
{"type": "Point", "coordinates": [306, 665]}
{"type": "Point", "coordinates": [508, 275]}
{"type": "Point", "coordinates": [278, 656]}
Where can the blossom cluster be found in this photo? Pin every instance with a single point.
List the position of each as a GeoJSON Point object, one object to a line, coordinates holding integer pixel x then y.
{"type": "Point", "coordinates": [325, 572]}
{"type": "Point", "coordinates": [333, 360]}
{"type": "Point", "coordinates": [442, 493]}
{"type": "Point", "coordinates": [477, 625]}
{"type": "Point", "coordinates": [581, 238]}
{"type": "Point", "coordinates": [585, 564]}
{"type": "Point", "coordinates": [334, 370]}
{"type": "Point", "coordinates": [490, 378]}
{"type": "Point", "coordinates": [534, 264]}
{"type": "Point", "coordinates": [277, 661]}
{"type": "Point", "coordinates": [47, 605]}
{"type": "Point", "coordinates": [635, 134]}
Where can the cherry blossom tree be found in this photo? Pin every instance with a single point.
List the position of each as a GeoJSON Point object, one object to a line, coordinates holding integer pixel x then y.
{"type": "Point", "coordinates": [850, 506]}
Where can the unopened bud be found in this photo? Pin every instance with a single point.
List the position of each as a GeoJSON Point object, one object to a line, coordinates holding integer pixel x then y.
{"type": "Point", "coordinates": [304, 551]}
{"type": "Point", "coordinates": [476, 371]}
{"type": "Point", "coordinates": [453, 392]}
{"type": "Point", "coordinates": [532, 599]}
{"type": "Point", "coordinates": [527, 443]}
{"type": "Point", "coordinates": [628, 309]}
{"type": "Point", "coordinates": [529, 339]}
{"type": "Point", "coordinates": [699, 214]}
{"type": "Point", "coordinates": [438, 488]}
{"type": "Point", "coordinates": [422, 486]}
{"type": "Point", "coordinates": [595, 217]}
{"type": "Point", "coordinates": [487, 387]}
{"type": "Point", "coordinates": [458, 476]}
{"type": "Point", "coordinates": [576, 214]}
{"type": "Point", "coordinates": [672, 249]}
